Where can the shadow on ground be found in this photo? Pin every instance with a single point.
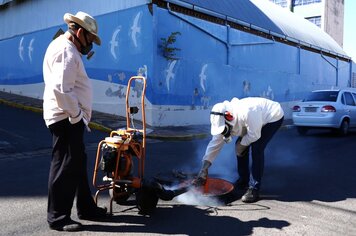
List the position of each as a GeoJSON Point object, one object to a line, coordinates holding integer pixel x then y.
{"type": "Point", "coordinates": [186, 220]}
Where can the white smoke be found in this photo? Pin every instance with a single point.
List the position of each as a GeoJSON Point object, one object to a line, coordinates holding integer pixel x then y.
{"type": "Point", "coordinates": [224, 167]}
{"type": "Point", "coordinates": [225, 164]}
{"type": "Point", "coordinates": [193, 197]}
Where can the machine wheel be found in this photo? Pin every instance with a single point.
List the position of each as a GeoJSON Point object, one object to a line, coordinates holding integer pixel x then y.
{"type": "Point", "coordinates": [344, 128]}
{"type": "Point", "coordinates": [120, 197]}
{"type": "Point", "coordinates": [146, 199]}
{"type": "Point", "coordinates": [302, 130]}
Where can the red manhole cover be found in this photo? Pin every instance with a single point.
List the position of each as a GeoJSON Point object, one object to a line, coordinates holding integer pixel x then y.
{"type": "Point", "coordinates": [216, 187]}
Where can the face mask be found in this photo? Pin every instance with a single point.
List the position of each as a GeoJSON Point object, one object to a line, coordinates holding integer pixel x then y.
{"type": "Point", "coordinates": [227, 133]}
{"type": "Point", "coordinates": [84, 49]}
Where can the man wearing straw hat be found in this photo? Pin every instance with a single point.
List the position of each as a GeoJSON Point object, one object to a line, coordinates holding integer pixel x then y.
{"type": "Point", "coordinates": [67, 110]}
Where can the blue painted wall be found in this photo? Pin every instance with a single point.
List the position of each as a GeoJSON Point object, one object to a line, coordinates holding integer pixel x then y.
{"type": "Point", "coordinates": [214, 62]}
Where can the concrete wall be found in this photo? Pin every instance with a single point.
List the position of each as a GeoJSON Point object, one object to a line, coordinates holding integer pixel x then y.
{"type": "Point", "coordinates": [334, 20]}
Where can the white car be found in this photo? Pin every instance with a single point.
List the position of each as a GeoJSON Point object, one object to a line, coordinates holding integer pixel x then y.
{"type": "Point", "coordinates": [334, 109]}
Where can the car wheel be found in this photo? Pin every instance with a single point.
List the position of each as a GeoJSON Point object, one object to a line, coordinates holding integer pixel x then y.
{"type": "Point", "coordinates": [344, 128]}
{"type": "Point", "coordinates": [302, 130]}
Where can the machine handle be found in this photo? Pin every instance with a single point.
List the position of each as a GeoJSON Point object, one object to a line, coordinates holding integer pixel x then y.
{"type": "Point", "coordinates": [129, 109]}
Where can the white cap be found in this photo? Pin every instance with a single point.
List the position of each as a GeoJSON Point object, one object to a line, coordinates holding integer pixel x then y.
{"type": "Point", "coordinates": [218, 121]}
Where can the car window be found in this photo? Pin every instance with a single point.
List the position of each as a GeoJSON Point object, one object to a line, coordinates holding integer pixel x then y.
{"type": "Point", "coordinates": [349, 100]}
{"type": "Point", "coordinates": [354, 95]}
{"type": "Point", "coordinates": [327, 96]}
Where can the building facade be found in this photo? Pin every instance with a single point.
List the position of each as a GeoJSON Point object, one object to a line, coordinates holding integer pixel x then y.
{"type": "Point", "coordinates": [326, 14]}
{"type": "Point", "coordinates": [220, 50]}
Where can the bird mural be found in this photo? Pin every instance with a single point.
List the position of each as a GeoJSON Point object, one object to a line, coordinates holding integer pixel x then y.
{"type": "Point", "coordinates": [169, 73]}
{"type": "Point", "coordinates": [203, 77]}
{"type": "Point", "coordinates": [30, 49]}
{"type": "Point", "coordinates": [114, 43]}
{"type": "Point", "coordinates": [21, 49]}
{"type": "Point", "coordinates": [135, 29]}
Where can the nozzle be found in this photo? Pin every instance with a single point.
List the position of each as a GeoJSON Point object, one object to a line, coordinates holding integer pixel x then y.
{"type": "Point", "coordinates": [90, 54]}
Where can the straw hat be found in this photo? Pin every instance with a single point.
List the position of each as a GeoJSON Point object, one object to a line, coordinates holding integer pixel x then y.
{"type": "Point", "coordinates": [86, 21]}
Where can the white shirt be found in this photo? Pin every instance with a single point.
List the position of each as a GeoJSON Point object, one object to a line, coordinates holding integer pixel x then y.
{"type": "Point", "coordinates": [68, 91]}
{"type": "Point", "coordinates": [250, 115]}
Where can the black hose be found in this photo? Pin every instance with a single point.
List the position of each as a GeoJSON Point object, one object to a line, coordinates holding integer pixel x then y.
{"type": "Point", "coordinates": [165, 194]}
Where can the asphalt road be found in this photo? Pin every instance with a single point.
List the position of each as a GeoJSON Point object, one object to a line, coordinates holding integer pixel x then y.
{"type": "Point", "coordinates": [308, 189]}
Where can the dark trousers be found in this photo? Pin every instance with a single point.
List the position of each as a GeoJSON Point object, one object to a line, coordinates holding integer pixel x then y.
{"type": "Point", "coordinates": [68, 173]}
{"type": "Point", "coordinates": [258, 156]}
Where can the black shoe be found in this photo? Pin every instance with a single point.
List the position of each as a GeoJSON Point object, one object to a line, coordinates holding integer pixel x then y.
{"type": "Point", "coordinates": [68, 226]}
{"type": "Point", "coordinates": [97, 214]}
{"type": "Point", "coordinates": [252, 195]}
{"type": "Point", "coordinates": [241, 184]}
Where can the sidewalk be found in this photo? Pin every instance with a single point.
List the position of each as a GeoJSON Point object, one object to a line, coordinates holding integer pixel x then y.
{"type": "Point", "coordinates": [107, 122]}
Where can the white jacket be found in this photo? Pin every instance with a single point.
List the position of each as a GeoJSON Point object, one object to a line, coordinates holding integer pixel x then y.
{"type": "Point", "coordinates": [250, 115]}
{"type": "Point", "coordinates": [68, 91]}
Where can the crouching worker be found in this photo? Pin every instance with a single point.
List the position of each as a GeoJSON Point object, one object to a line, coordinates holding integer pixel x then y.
{"type": "Point", "coordinates": [254, 121]}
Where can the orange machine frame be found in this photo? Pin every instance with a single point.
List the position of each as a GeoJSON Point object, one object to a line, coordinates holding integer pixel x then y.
{"type": "Point", "coordinates": [127, 147]}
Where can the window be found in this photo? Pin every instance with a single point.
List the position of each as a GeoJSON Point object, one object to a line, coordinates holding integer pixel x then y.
{"type": "Point", "coordinates": [282, 3]}
{"type": "Point", "coordinates": [329, 96]}
{"type": "Point", "coordinates": [354, 95]}
{"type": "Point", "coordinates": [305, 2]}
{"type": "Point", "coordinates": [316, 20]}
{"type": "Point", "coordinates": [349, 100]}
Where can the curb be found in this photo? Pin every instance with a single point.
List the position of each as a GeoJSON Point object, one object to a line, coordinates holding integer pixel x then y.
{"type": "Point", "coordinates": [99, 127]}
{"type": "Point", "coordinates": [286, 127]}
{"type": "Point", "coordinates": [21, 106]}
{"type": "Point", "coordinates": [186, 137]}
{"type": "Point", "coordinates": [102, 128]}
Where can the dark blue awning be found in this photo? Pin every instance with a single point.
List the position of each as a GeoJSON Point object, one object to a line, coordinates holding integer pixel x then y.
{"type": "Point", "coordinates": [269, 18]}
{"type": "Point", "coordinates": [243, 10]}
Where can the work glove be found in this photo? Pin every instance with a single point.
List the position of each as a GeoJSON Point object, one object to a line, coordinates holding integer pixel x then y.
{"type": "Point", "coordinates": [203, 174]}
{"type": "Point", "coordinates": [241, 150]}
